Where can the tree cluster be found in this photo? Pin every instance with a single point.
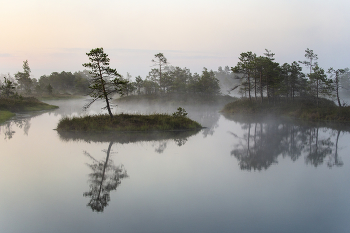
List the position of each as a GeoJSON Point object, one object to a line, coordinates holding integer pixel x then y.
{"type": "Point", "coordinates": [55, 83]}
{"type": "Point", "coordinates": [261, 77]}
{"type": "Point", "coordinates": [170, 79]}
{"type": "Point", "coordinates": [64, 82]}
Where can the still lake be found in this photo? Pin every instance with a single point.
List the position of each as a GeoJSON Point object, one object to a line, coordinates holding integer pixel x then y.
{"type": "Point", "coordinates": [236, 175]}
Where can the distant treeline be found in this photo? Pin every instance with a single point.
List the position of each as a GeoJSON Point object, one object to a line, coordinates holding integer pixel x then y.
{"type": "Point", "coordinates": [255, 77]}
{"type": "Point", "coordinates": [181, 81]}
{"type": "Point", "coordinates": [56, 83]}
{"type": "Point", "coordinates": [171, 80]}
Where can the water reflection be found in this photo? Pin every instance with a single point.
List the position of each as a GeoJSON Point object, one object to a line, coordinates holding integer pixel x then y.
{"type": "Point", "coordinates": [265, 140]}
{"type": "Point", "coordinates": [104, 178]}
{"type": "Point", "coordinates": [159, 139]}
{"type": "Point", "coordinates": [20, 121]}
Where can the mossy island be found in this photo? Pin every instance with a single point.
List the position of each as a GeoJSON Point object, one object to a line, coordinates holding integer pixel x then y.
{"type": "Point", "coordinates": [128, 122]}
{"type": "Point", "coordinates": [299, 108]}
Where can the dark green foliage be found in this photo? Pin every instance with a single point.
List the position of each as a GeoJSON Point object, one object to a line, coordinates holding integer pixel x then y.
{"type": "Point", "coordinates": [264, 76]}
{"type": "Point", "coordinates": [178, 80]}
{"type": "Point", "coordinates": [64, 82]}
{"type": "Point", "coordinates": [311, 59]}
{"type": "Point", "coordinates": [127, 122]}
{"type": "Point", "coordinates": [49, 89]}
{"type": "Point", "coordinates": [160, 61]}
{"type": "Point", "coordinates": [207, 84]}
{"type": "Point", "coordinates": [7, 88]}
{"type": "Point", "coordinates": [23, 79]}
{"type": "Point", "coordinates": [336, 86]}
{"type": "Point", "coordinates": [138, 84]}
{"type": "Point", "coordinates": [245, 66]}
{"type": "Point", "coordinates": [181, 112]}
{"type": "Point", "coordinates": [319, 84]}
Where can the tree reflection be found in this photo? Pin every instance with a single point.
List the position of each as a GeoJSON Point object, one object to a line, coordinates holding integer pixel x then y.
{"type": "Point", "coordinates": [319, 149]}
{"type": "Point", "coordinates": [263, 142]}
{"type": "Point", "coordinates": [20, 122]}
{"type": "Point", "coordinates": [334, 159]}
{"type": "Point", "coordinates": [104, 178]}
{"type": "Point", "coordinates": [159, 139]}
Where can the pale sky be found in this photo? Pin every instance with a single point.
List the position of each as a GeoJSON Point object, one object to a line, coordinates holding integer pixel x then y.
{"type": "Point", "coordinates": [55, 35]}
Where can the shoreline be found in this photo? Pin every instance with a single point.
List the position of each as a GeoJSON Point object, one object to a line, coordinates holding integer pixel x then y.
{"type": "Point", "coordinates": [302, 109]}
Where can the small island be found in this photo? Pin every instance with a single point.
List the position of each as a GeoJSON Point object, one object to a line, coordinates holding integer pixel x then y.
{"type": "Point", "coordinates": [105, 82]}
{"type": "Point", "coordinates": [129, 122]}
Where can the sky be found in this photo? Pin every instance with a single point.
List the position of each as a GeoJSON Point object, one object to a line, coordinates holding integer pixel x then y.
{"type": "Point", "coordinates": [55, 35]}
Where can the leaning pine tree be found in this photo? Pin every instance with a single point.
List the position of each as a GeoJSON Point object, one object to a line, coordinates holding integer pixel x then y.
{"type": "Point", "coordinates": [105, 81]}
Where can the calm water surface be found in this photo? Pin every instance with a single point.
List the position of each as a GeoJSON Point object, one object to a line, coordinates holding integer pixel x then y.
{"type": "Point", "coordinates": [237, 175]}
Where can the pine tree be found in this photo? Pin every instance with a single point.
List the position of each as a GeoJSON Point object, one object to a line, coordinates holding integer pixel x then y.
{"type": "Point", "coordinates": [105, 81]}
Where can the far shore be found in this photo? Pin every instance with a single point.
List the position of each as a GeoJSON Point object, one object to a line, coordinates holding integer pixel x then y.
{"type": "Point", "coordinates": [300, 108]}
{"type": "Point", "coordinates": [12, 105]}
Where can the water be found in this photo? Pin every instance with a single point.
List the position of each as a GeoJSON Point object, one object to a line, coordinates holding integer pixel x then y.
{"type": "Point", "coordinates": [293, 177]}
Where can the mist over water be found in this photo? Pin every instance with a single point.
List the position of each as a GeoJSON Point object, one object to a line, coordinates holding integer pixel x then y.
{"type": "Point", "coordinates": [237, 175]}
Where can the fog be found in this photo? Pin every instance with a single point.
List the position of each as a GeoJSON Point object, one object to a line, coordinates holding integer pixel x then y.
{"type": "Point", "coordinates": [279, 172]}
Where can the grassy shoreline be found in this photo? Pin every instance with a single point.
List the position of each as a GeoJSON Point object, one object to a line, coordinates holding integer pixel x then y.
{"type": "Point", "coordinates": [305, 109]}
{"type": "Point", "coordinates": [127, 122]}
{"type": "Point", "coordinates": [5, 115]}
{"type": "Point", "coordinates": [23, 104]}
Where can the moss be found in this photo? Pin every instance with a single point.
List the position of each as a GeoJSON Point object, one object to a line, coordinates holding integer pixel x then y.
{"type": "Point", "coordinates": [127, 122]}
{"type": "Point", "coordinates": [5, 115]}
{"type": "Point", "coordinates": [299, 108]}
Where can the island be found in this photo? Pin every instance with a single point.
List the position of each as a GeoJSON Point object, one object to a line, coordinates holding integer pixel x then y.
{"type": "Point", "coordinates": [129, 122]}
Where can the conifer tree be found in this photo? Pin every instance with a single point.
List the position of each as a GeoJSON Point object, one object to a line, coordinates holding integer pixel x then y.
{"type": "Point", "coordinates": [105, 81]}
